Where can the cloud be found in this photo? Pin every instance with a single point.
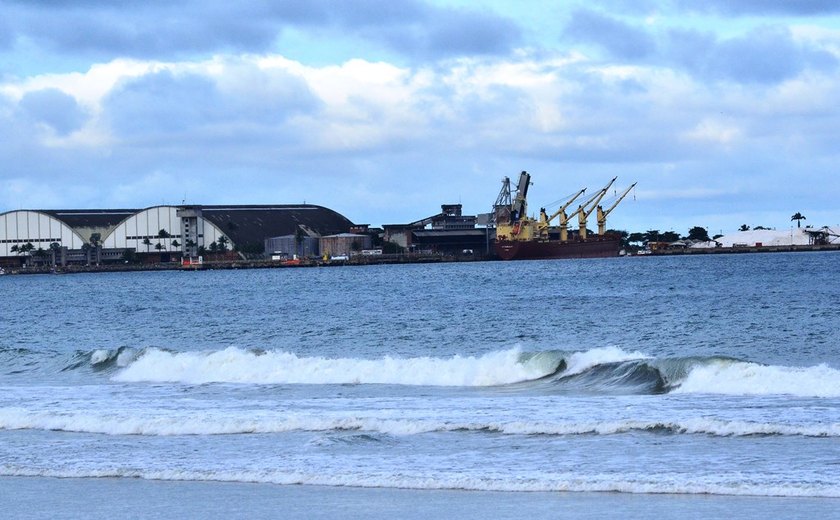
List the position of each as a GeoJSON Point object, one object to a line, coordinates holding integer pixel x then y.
{"type": "Point", "coordinates": [761, 7]}
{"type": "Point", "coordinates": [244, 104]}
{"type": "Point", "coordinates": [167, 30]}
{"type": "Point", "coordinates": [763, 55]}
{"type": "Point", "coordinates": [445, 33]}
{"type": "Point", "coordinates": [54, 108]}
{"type": "Point", "coordinates": [619, 39]}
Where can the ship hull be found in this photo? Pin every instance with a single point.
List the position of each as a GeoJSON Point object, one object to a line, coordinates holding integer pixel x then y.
{"type": "Point", "coordinates": [595, 247]}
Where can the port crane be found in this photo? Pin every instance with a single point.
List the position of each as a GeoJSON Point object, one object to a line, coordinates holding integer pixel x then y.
{"type": "Point", "coordinates": [602, 214]}
{"type": "Point", "coordinates": [545, 220]}
{"type": "Point", "coordinates": [586, 209]}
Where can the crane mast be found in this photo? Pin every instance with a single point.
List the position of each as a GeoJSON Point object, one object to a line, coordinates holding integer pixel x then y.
{"type": "Point", "coordinates": [501, 209]}
{"type": "Point", "coordinates": [564, 218]}
{"type": "Point", "coordinates": [602, 214]}
{"type": "Point", "coordinates": [584, 211]}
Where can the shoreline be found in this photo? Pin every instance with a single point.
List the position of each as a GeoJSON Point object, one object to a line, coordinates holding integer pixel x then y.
{"type": "Point", "coordinates": [384, 260]}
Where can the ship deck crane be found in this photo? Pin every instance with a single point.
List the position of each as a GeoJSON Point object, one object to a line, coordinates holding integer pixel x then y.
{"type": "Point", "coordinates": [519, 207]}
{"type": "Point", "coordinates": [584, 210]}
{"type": "Point", "coordinates": [564, 218]}
{"type": "Point", "coordinates": [602, 214]}
{"type": "Point", "coordinates": [545, 220]}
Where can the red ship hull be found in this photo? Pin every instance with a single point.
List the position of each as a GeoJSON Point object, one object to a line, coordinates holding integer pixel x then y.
{"type": "Point", "coordinates": [594, 247]}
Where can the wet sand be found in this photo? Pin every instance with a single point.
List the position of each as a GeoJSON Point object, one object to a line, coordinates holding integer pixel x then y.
{"type": "Point", "coordinates": [40, 497]}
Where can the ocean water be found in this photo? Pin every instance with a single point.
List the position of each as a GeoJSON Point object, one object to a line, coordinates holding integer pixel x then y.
{"type": "Point", "coordinates": [690, 376]}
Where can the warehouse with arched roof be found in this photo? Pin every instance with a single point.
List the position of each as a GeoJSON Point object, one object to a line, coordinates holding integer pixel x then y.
{"type": "Point", "coordinates": [158, 230]}
{"type": "Point", "coordinates": [39, 229]}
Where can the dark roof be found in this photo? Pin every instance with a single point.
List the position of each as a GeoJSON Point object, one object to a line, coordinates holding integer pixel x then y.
{"type": "Point", "coordinates": [455, 234]}
{"type": "Point", "coordinates": [90, 218]}
{"type": "Point", "coordinates": [253, 224]}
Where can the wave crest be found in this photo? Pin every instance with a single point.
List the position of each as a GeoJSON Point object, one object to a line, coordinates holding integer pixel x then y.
{"type": "Point", "coordinates": [234, 365]}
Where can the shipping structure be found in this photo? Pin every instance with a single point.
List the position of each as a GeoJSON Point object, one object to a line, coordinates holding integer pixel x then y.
{"type": "Point", "coordinates": [520, 237]}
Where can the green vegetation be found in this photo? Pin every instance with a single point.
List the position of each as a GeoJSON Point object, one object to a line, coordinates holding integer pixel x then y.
{"type": "Point", "coordinates": [699, 234]}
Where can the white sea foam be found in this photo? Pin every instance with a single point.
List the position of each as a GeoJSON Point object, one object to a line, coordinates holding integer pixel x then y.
{"type": "Point", "coordinates": [98, 356]}
{"type": "Point", "coordinates": [532, 482]}
{"type": "Point", "coordinates": [582, 361]}
{"type": "Point", "coordinates": [234, 365]}
{"type": "Point", "coordinates": [739, 378]}
{"type": "Point", "coordinates": [165, 423]}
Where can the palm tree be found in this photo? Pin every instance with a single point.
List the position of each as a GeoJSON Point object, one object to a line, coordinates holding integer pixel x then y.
{"type": "Point", "coordinates": [55, 250]}
{"type": "Point", "coordinates": [40, 254]}
{"type": "Point", "coordinates": [96, 246]}
{"type": "Point", "coordinates": [798, 217]}
{"type": "Point", "coordinates": [147, 243]}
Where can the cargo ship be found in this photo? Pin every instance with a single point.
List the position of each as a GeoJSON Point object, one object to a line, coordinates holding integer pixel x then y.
{"type": "Point", "coordinates": [520, 237]}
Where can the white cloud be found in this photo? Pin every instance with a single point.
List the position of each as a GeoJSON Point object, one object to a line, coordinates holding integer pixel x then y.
{"type": "Point", "coordinates": [715, 131]}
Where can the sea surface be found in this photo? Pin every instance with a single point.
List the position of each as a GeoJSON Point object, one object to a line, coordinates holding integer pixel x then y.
{"type": "Point", "coordinates": [712, 376]}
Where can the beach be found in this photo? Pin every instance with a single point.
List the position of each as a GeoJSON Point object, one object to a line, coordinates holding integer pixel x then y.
{"type": "Point", "coordinates": [107, 498]}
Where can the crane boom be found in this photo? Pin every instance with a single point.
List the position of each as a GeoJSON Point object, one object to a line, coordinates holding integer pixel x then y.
{"type": "Point", "coordinates": [602, 214]}
{"type": "Point", "coordinates": [545, 219]}
{"type": "Point", "coordinates": [585, 210]}
{"type": "Point", "coordinates": [519, 207]}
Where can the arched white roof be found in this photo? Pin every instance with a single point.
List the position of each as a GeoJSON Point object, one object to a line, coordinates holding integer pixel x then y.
{"type": "Point", "coordinates": [19, 227]}
{"type": "Point", "coordinates": [147, 226]}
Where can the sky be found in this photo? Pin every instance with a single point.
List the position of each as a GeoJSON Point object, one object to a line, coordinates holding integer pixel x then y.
{"type": "Point", "coordinates": [725, 112]}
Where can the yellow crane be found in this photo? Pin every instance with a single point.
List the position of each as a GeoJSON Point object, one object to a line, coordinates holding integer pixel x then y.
{"type": "Point", "coordinates": [602, 214]}
{"type": "Point", "coordinates": [545, 220]}
{"type": "Point", "coordinates": [564, 218]}
{"type": "Point", "coordinates": [585, 210]}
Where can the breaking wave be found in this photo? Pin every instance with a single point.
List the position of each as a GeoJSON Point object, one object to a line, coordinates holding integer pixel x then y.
{"type": "Point", "coordinates": [601, 370]}
{"type": "Point", "coordinates": [102, 359]}
{"type": "Point", "coordinates": [234, 365]}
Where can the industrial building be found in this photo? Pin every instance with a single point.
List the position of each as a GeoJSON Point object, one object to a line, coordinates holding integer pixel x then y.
{"type": "Point", "coordinates": [156, 233]}
{"type": "Point", "coordinates": [448, 232]}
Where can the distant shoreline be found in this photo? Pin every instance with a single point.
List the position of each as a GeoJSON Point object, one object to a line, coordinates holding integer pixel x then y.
{"type": "Point", "coordinates": [746, 249]}
{"type": "Point", "coordinates": [384, 260]}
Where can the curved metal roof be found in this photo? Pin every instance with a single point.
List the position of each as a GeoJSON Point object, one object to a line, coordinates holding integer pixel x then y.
{"type": "Point", "coordinates": [252, 224]}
